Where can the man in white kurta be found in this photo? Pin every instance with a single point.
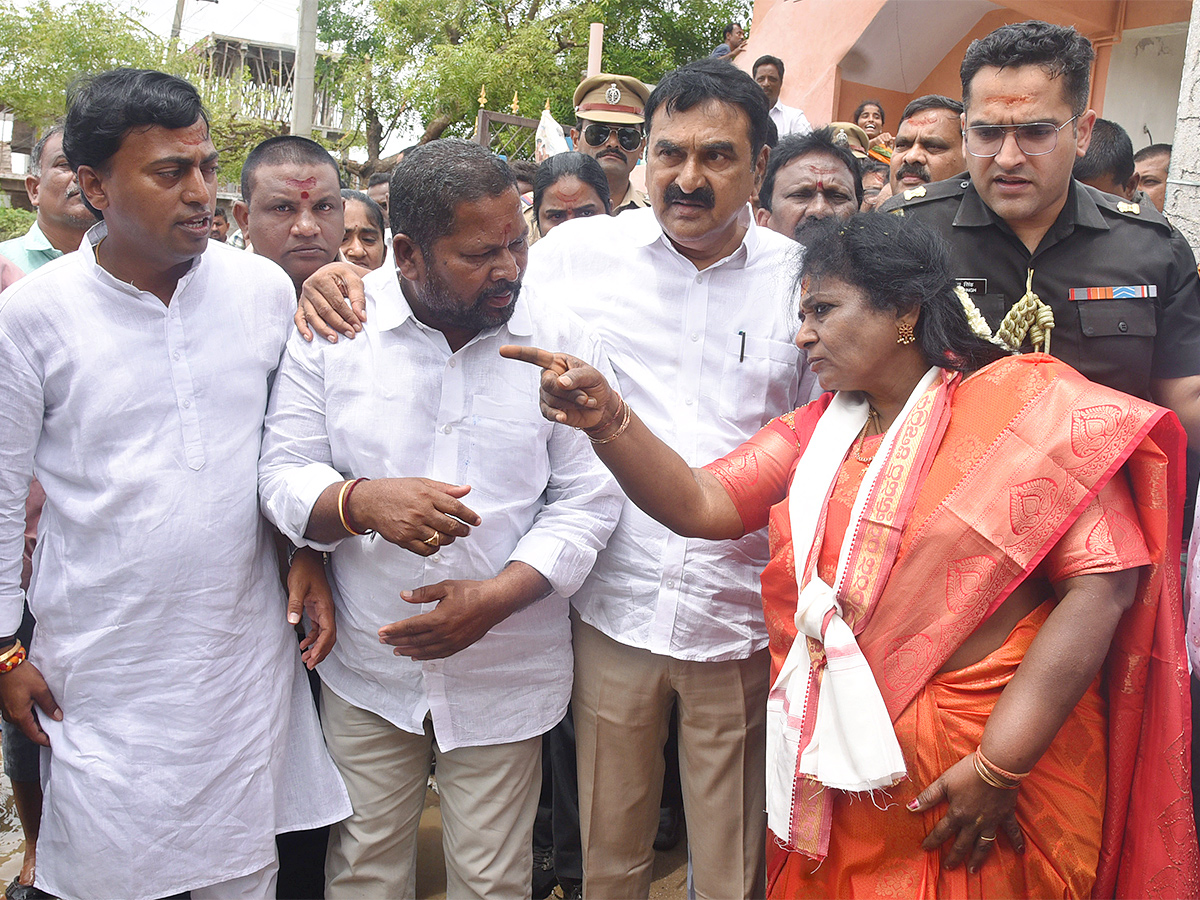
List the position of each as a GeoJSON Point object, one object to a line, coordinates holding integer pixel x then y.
{"type": "Point", "coordinates": [412, 399]}
{"type": "Point", "coordinates": [184, 737]}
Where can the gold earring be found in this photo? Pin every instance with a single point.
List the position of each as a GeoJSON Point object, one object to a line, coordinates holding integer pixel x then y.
{"type": "Point", "coordinates": [905, 334]}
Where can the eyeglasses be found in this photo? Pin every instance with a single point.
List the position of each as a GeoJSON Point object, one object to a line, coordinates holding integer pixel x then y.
{"type": "Point", "coordinates": [629, 138]}
{"type": "Point", "coordinates": [1034, 139]}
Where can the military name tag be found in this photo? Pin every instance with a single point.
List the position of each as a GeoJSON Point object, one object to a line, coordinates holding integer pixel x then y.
{"type": "Point", "coordinates": [1123, 292]}
{"type": "Point", "coordinates": [972, 286]}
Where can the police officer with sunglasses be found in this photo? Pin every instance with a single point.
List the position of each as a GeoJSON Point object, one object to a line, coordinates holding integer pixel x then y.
{"type": "Point", "coordinates": [610, 129]}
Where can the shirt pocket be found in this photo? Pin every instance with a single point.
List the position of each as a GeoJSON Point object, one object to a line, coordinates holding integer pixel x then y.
{"type": "Point", "coordinates": [1117, 318]}
{"type": "Point", "coordinates": [509, 449]}
{"type": "Point", "coordinates": [758, 380]}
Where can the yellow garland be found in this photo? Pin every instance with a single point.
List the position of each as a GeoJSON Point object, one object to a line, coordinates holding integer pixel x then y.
{"type": "Point", "coordinates": [1028, 316]}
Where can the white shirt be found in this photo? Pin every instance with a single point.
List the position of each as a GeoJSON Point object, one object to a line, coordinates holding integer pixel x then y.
{"type": "Point", "coordinates": [789, 120]}
{"type": "Point", "coordinates": [189, 736]}
{"type": "Point", "coordinates": [395, 402]}
{"type": "Point", "coordinates": [675, 338]}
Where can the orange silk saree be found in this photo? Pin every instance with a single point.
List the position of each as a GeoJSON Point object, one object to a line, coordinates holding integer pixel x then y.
{"type": "Point", "coordinates": [1028, 450]}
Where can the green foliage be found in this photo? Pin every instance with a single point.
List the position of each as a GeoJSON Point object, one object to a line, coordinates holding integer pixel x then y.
{"type": "Point", "coordinates": [15, 222]}
{"type": "Point", "coordinates": [43, 48]}
{"type": "Point", "coordinates": [423, 62]}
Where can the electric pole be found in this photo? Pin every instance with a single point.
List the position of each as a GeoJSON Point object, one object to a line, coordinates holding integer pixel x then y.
{"type": "Point", "coordinates": [304, 77]}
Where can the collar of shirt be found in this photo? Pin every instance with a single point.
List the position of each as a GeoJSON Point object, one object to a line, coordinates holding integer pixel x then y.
{"type": "Point", "coordinates": [91, 263]}
{"type": "Point", "coordinates": [393, 310]}
{"type": "Point", "coordinates": [1079, 209]}
{"type": "Point", "coordinates": [36, 240]}
{"type": "Point", "coordinates": [633, 199]}
{"type": "Point", "coordinates": [646, 230]}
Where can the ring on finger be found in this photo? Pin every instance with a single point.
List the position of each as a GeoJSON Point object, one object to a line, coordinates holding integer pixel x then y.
{"type": "Point", "coordinates": [434, 540]}
{"type": "Point", "coordinates": [979, 821]}
{"type": "Point", "coordinates": [987, 838]}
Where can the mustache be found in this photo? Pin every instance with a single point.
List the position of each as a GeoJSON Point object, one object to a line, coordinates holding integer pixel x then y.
{"type": "Point", "coordinates": [613, 151]}
{"type": "Point", "coordinates": [913, 169]}
{"type": "Point", "coordinates": [500, 288]}
{"type": "Point", "coordinates": [704, 195]}
{"type": "Point", "coordinates": [73, 192]}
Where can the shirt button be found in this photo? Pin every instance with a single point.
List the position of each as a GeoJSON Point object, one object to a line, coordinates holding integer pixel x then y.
{"type": "Point", "coordinates": [688, 401]}
{"type": "Point", "coordinates": [671, 583]}
{"type": "Point", "coordinates": [699, 279]}
{"type": "Point", "coordinates": [695, 336]}
{"type": "Point", "coordinates": [176, 354]}
{"type": "Point", "coordinates": [453, 362]}
{"type": "Point", "coordinates": [446, 429]}
{"type": "Point", "coordinates": [187, 404]}
{"type": "Point", "coordinates": [1122, 326]}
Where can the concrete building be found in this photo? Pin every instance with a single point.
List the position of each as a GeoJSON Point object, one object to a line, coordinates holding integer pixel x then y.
{"type": "Point", "coordinates": [840, 52]}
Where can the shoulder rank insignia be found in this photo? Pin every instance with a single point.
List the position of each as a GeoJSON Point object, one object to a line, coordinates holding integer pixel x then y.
{"type": "Point", "coordinates": [1126, 207]}
{"type": "Point", "coordinates": [913, 193]}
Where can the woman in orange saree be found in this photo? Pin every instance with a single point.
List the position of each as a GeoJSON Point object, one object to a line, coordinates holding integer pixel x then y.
{"type": "Point", "coordinates": [978, 552]}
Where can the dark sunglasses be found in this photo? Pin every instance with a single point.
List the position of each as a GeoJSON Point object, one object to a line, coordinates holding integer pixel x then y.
{"type": "Point", "coordinates": [629, 138]}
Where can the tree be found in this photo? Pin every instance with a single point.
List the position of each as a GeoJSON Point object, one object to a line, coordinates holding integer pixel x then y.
{"type": "Point", "coordinates": [44, 48]}
{"type": "Point", "coordinates": [423, 62]}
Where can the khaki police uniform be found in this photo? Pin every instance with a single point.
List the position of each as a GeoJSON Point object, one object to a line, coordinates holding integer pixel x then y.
{"type": "Point", "coordinates": [633, 199]}
{"type": "Point", "coordinates": [1120, 280]}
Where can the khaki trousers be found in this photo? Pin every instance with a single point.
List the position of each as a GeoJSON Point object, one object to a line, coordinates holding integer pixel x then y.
{"type": "Point", "coordinates": [622, 702]}
{"type": "Point", "coordinates": [488, 799]}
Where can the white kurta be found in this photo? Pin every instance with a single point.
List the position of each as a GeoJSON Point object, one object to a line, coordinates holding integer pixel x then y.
{"type": "Point", "coordinates": [189, 738]}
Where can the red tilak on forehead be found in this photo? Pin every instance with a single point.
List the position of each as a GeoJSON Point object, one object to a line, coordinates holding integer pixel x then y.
{"type": "Point", "coordinates": [304, 195]}
{"type": "Point", "coordinates": [820, 185]}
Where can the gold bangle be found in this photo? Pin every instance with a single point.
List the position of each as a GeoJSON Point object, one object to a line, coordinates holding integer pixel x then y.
{"type": "Point", "coordinates": [11, 651]}
{"type": "Point", "coordinates": [625, 419]}
{"type": "Point", "coordinates": [341, 506]}
{"type": "Point", "coordinates": [596, 429]}
{"type": "Point", "coordinates": [991, 778]}
{"type": "Point", "coordinates": [1015, 777]}
{"type": "Point", "coordinates": [13, 659]}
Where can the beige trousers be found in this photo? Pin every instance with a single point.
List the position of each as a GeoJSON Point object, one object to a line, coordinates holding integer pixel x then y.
{"type": "Point", "coordinates": [488, 797]}
{"type": "Point", "coordinates": [622, 703]}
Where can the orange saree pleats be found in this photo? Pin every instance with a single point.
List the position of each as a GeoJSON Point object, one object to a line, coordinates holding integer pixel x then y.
{"type": "Point", "coordinates": [875, 845]}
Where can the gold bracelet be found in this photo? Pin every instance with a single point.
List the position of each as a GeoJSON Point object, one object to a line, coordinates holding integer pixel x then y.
{"type": "Point", "coordinates": [11, 651]}
{"type": "Point", "coordinates": [625, 419]}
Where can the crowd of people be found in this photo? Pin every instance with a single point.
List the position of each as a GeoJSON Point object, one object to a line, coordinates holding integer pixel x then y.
{"type": "Point", "coordinates": [829, 494]}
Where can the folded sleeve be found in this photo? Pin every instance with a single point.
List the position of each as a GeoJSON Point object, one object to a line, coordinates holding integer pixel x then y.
{"type": "Point", "coordinates": [583, 501]}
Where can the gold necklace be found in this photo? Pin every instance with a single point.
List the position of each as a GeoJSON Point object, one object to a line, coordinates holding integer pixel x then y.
{"type": "Point", "coordinates": [872, 418]}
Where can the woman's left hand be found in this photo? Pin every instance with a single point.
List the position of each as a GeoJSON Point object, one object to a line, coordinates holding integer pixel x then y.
{"type": "Point", "coordinates": [977, 813]}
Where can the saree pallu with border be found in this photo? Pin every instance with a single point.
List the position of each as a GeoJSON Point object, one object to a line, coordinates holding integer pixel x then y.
{"type": "Point", "coordinates": [1029, 445]}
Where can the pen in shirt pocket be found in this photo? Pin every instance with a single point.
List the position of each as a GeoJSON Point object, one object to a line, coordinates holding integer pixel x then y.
{"type": "Point", "coordinates": [742, 354]}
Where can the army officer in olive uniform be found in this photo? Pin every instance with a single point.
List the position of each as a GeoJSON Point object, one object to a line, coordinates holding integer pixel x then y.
{"type": "Point", "coordinates": [1117, 281]}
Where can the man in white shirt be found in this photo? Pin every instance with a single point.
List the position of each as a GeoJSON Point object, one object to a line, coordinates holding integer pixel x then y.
{"type": "Point", "coordinates": [692, 300]}
{"type": "Point", "coordinates": [768, 73]}
{"type": "Point", "coordinates": [170, 693]}
{"type": "Point", "coordinates": [458, 653]}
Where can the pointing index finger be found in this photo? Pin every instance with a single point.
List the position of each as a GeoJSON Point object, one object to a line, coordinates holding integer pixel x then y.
{"type": "Point", "coordinates": [535, 355]}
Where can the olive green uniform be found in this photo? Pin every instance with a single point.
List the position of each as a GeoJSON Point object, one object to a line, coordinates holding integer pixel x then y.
{"type": "Point", "coordinates": [1119, 278]}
